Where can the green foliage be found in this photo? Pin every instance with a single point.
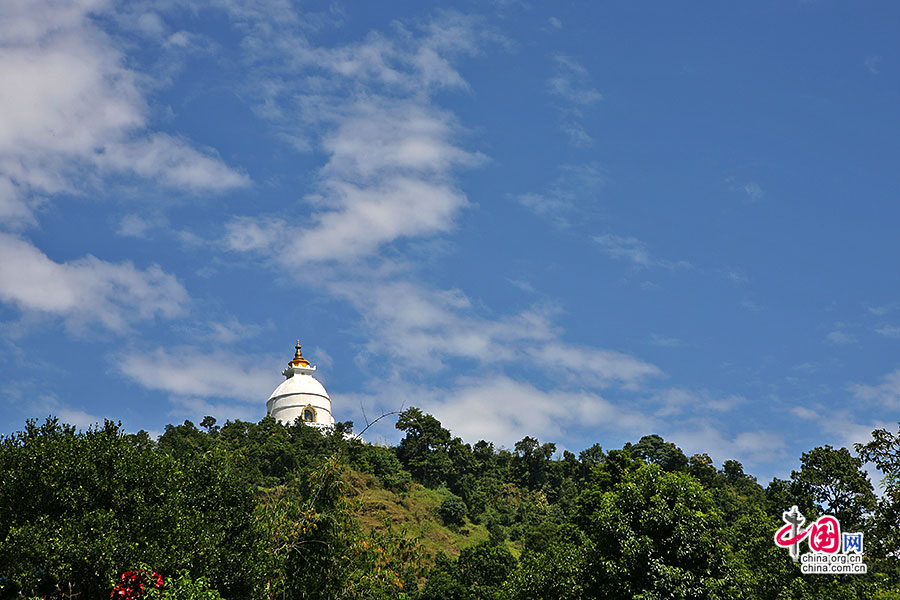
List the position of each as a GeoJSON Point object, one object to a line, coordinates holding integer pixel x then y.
{"type": "Point", "coordinates": [883, 537]}
{"type": "Point", "coordinates": [262, 510]}
{"type": "Point", "coordinates": [478, 574]}
{"type": "Point", "coordinates": [484, 568]}
{"type": "Point", "coordinates": [381, 462]}
{"type": "Point", "coordinates": [424, 451]}
{"type": "Point", "coordinates": [559, 572]}
{"type": "Point", "coordinates": [76, 507]}
{"type": "Point", "coordinates": [453, 510]}
{"type": "Point", "coordinates": [183, 587]}
{"type": "Point", "coordinates": [530, 462]}
{"type": "Point", "coordinates": [317, 549]}
{"type": "Point", "coordinates": [834, 479]}
{"type": "Point", "coordinates": [736, 492]}
{"type": "Point", "coordinates": [655, 535]}
{"type": "Point", "coordinates": [541, 535]}
{"type": "Point", "coordinates": [655, 450]}
{"type": "Point", "coordinates": [180, 587]}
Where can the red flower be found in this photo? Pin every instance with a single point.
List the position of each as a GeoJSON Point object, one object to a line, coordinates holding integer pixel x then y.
{"type": "Point", "coordinates": [132, 584]}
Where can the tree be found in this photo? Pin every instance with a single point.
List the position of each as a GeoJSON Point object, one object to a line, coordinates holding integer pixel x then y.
{"type": "Point", "coordinates": [835, 480]}
{"type": "Point", "coordinates": [558, 572]}
{"type": "Point", "coordinates": [483, 568]}
{"type": "Point", "coordinates": [453, 510]}
{"type": "Point", "coordinates": [655, 450]}
{"type": "Point", "coordinates": [884, 452]}
{"type": "Point", "coordinates": [78, 508]}
{"type": "Point", "coordinates": [530, 462]}
{"type": "Point", "coordinates": [656, 534]}
{"type": "Point", "coordinates": [701, 467]}
{"type": "Point", "coordinates": [424, 451]}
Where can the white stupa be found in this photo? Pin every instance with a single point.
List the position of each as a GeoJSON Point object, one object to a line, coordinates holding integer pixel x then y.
{"type": "Point", "coordinates": [300, 395]}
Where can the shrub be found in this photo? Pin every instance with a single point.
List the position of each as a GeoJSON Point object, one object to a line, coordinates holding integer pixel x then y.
{"type": "Point", "coordinates": [453, 510]}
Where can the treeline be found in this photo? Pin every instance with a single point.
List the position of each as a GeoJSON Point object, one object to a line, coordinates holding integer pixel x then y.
{"type": "Point", "coordinates": [263, 511]}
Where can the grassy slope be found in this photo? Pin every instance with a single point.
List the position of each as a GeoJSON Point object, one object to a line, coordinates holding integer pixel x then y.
{"type": "Point", "coordinates": [412, 514]}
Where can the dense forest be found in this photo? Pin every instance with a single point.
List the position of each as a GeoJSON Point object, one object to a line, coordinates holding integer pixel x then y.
{"type": "Point", "coordinates": [265, 511]}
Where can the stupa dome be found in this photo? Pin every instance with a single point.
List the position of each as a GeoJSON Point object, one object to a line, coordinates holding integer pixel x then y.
{"type": "Point", "coordinates": [300, 395]}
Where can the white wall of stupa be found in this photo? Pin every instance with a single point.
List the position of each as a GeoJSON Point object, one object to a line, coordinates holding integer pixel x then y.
{"type": "Point", "coordinates": [300, 395]}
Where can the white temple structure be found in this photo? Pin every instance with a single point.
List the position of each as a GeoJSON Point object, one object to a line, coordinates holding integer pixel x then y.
{"type": "Point", "coordinates": [300, 395]}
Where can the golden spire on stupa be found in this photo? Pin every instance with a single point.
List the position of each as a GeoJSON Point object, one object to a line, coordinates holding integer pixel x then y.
{"type": "Point", "coordinates": [299, 361]}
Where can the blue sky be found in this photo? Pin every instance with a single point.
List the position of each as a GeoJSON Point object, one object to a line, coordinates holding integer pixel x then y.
{"type": "Point", "coordinates": [584, 222]}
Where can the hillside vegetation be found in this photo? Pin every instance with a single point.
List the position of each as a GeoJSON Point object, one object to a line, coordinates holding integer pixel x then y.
{"type": "Point", "coordinates": [265, 511]}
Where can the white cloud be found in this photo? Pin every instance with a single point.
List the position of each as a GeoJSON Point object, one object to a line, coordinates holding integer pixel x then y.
{"type": "Point", "coordinates": [229, 331]}
{"type": "Point", "coordinates": [736, 276]}
{"type": "Point", "coordinates": [391, 151]}
{"type": "Point", "coordinates": [421, 327]}
{"type": "Point", "coordinates": [48, 404]}
{"type": "Point", "coordinates": [572, 83]}
{"type": "Point", "coordinates": [87, 290]}
{"type": "Point", "coordinates": [635, 251]}
{"type": "Point", "coordinates": [887, 392]}
{"type": "Point", "coordinates": [197, 408]}
{"type": "Point", "coordinates": [840, 338]}
{"type": "Point", "coordinates": [626, 248]}
{"type": "Point", "coordinates": [890, 331]}
{"type": "Point", "coordinates": [840, 424]}
{"type": "Point", "coordinates": [676, 401]}
{"type": "Point", "coordinates": [594, 366]}
{"type": "Point", "coordinates": [171, 162]}
{"type": "Point", "coordinates": [136, 226]}
{"type": "Point", "coordinates": [503, 411]}
{"type": "Point", "coordinates": [665, 341]}
{"type": "Point", "coordinates": [749, 447]}
{"type": "Point", "coordinates": [574, 188]}
{"type": "Point", "coordinates": [73, 110]}
{"type": "Point", "coordinates": [389, 176]}
{"type": "Point", "coordinates": [753, 190]}
{"type": "Point", "coordinates": [873, 64]}
{"type": "Point", "coordinates": [194, 373]}
{"type": "Point", "coordinates": [15, 209]}
{"type": "Point", "coordinates": [883, 309]}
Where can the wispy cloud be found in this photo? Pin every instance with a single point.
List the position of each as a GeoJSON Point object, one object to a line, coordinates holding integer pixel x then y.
{"type": "Point", "coordinates": [85, 291]}
{"type": "Point", "coordinates": [138, 226]}
{"type": "Point", "coordinates": [198, 373]}
{"type": "Point", "coordinates": [48, 404]}
{"type": "Point", "coordinates": [883, 309]}
{"type": "Point", "coordinates": [391, 151]}
{"type": "Point", "coordinates": [840, 424]}
{"type": "Point", "coordinates": [422, 328]}
{"type": "Point", "coordinates": [574, 188]}
{"type": "Point", "coordinates": [840, 338]}
{"type": "Point", "coordinates": [73, 111]}
{"type": "Point", "coordinates": [498, 408]}
{"type": "Point", "coordinates": [753, 447]}
{"type": "Point", "coordinates": [571, 85]}
{"type": "Point", "coordinates": [753, 191]}
{"type": "Point", "coordinates": [887, 392]}
{"type": "Point", "coordinates": [889, 331]}
{"type": "Point", "coordinates": [392, 156]}
{"type": "Point", "coordinates": [634, 251]}
{"type": "Point", "coordinates": [873, 64]}
{"type": "Point", "coordinates": [676, 401]}
{"type": "Point", "coordinates": [665, 341]}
